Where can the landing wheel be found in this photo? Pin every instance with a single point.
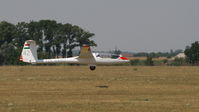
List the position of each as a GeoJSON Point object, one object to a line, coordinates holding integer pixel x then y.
{"type": "Point", "coordinates": [92, 68]}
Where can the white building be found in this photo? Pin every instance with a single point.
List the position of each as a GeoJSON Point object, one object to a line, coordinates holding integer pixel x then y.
{"type": "Point", "coordinates": [180, 55]}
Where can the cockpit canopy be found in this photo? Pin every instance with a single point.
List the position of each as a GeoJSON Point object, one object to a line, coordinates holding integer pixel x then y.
{"type": "Point", "coordinates": [107, 55]}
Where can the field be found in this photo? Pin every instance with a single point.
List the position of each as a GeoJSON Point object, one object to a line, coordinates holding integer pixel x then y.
{"type": "Point", "coordinates": [108, 89]}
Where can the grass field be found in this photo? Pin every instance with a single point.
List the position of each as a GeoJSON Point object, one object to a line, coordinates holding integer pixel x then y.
{"type": "Point", "coordinates": [108, 89]}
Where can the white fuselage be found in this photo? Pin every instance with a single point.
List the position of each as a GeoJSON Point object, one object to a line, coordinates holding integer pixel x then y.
{"type": "Point", "coordinates": [76, 60]}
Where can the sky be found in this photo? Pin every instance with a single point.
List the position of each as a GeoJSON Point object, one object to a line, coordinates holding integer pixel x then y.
{"type": "Point", "coordinates": [128, 25]}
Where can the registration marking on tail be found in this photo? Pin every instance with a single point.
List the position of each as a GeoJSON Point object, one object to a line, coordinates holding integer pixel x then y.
{"type": "Point", "coordinates": [26, 46]}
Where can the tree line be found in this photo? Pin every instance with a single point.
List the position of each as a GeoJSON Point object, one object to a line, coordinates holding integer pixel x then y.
{"type": "Point", "coordinates": [170, 54]}
{"type": "Point", "coordinates": [191, 52]}
{"type": "Point", "coordinates": [53, 39]}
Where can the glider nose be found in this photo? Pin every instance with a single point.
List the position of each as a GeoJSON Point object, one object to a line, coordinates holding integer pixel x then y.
{"type": "Point", "coordinates": [124, 59]}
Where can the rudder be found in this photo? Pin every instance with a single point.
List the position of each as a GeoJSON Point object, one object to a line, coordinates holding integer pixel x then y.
{"type": "Point", "coordinates": [29, 52]}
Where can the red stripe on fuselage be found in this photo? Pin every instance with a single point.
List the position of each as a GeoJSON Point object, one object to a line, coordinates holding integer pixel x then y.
{"type": "Point", "coordinates": [26, 44]}
{"type": "Point", "coordinates": [21, 58]}
{"type": "Point", "coordinates": [124, 58]}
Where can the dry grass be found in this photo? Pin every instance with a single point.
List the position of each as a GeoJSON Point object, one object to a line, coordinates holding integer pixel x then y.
{"type": "Point", "coordinates": [108, 89]}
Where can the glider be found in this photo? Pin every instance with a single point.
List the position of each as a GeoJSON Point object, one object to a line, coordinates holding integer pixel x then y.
{"type": "Point", "coordinates": [29, 55]}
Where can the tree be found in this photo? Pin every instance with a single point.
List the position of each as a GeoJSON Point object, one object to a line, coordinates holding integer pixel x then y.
{"type": "Point", "coordinates": [149, 61]}
{"type": "Point", "coordinates": [49, 30]}
{"type": "Point", "coordinates": [21, 35]}
{"type": "Point", "coordinates": [85, 37]}
{"type": "Point", "coordinates": [7, 32]}
{"type": "Point", "coordinates": [9, 54]}
{"type": "Point", "coordinates": [53, 39]}
{"type": "Point", "coordinates": [74, 36]}
{"type": "Point", "coordinates": [192, 53]}
{"type": "Point", "coordinates": [117, 51]}
{"type": "Point", "coordinates": [1, 58]}
{"type": "Point", "coordinates": [34, 32]}
{"type": "Point", "coordinates": [72, 39]}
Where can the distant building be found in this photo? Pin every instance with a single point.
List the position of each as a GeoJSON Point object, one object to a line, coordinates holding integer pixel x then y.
{"type": "Point", "coordinates": [180, 55]}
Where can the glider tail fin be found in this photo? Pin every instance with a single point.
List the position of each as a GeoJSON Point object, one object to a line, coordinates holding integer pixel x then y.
{"type": "Point", "coordinates": [85, 52]}
{"type": "Point", "coordinates": [29, 52]}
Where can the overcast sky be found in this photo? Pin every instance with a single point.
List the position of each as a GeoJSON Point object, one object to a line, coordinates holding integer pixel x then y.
{"type": "Point", "coordinates": [130, 25]}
